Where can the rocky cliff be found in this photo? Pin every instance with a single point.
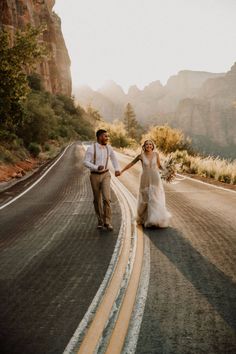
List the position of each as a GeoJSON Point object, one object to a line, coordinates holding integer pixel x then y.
{"type": "Point", "coordinates": [16, 14]}
{"type": "Point", "coordinates": [210, 117]}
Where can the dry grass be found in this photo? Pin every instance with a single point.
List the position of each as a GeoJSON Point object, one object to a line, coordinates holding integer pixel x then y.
{"type": "Point", "coordinates": [219, 169]}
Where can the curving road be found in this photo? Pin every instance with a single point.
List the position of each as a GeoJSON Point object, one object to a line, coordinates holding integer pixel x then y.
{"type": "Point", "coordinates": [52, 258]}
{"type": "Point", "coordinates": [52, 261]}
{"type": "Point", "coordinates": [191, 300]}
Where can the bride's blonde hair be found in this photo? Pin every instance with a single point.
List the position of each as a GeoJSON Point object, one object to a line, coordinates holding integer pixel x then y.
{"type": "Point", "coordinates": [148, 140]}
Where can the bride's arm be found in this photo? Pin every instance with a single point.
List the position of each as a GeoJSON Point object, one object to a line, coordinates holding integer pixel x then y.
{"type": "Point", "coordinates": [159, 162]}
{"type": "Point", "coordinates": [137, 158]}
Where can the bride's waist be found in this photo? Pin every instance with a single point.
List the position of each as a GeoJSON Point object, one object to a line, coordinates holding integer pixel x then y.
{"type": "Point", "coordinates": [150, 170]}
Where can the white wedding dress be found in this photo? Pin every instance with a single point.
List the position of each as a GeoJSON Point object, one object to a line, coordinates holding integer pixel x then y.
{"type": "Point", "coordinates": [151, 200]}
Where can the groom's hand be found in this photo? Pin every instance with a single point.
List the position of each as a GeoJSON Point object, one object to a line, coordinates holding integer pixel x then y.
{"type": "Point", "coordinates": [117, 173]}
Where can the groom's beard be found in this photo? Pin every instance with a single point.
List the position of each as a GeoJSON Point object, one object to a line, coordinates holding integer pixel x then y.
{"type": "Point", "coordinates": [102, 143]}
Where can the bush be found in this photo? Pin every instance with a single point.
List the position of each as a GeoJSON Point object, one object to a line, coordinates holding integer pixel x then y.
{"type": "Point", "coordinates": [6, 156]}
{"type": "Point", "coordinates": [68, 103]}
{"type": "Point", "coordinates": [168, 139]}
{"type": "Point", "coordinates": [34, 149]}
{"type": "Point", "coordinates": [47, 147]}
{"type": "Point", "coordinates": [35, 82]}
{"type": "Point", "coordinates": [45, 116]}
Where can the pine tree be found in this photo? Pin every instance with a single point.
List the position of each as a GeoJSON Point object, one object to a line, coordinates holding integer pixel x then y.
{"type": "Point", "coordinates": [130, 122]}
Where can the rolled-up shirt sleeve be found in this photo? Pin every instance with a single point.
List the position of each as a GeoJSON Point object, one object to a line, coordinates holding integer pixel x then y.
{"type": "Point", "coordinates": [88, 159]}
{"type": "Point", "coordinates": [114, 160]}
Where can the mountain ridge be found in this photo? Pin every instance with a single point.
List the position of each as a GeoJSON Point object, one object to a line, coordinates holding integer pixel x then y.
{"type": "Point", "coordinates": [200, 103]}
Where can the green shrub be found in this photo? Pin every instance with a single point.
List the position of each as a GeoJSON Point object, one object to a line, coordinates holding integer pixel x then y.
{"type": "Point", "coordinates": [47, 147]}
{"type": "Point", "coordinates": [6, 156]}
{"type": "Point", "coordinates": [35, 82]}
{"type": "Point", "coordinates": [34, 149]}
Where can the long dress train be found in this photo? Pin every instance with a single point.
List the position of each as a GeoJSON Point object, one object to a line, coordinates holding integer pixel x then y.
{"type": "Point", "coordinates": [151, 200]}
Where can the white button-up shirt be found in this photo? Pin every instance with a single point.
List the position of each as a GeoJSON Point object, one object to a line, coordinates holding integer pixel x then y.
{"type": "Point", "coordinates": [101, 157]}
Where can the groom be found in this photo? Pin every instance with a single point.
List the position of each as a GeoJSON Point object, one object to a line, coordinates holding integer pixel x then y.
{"type": "Point", "coordinates": [96, 159]}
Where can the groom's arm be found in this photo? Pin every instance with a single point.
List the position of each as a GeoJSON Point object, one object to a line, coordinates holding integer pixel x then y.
{"type": "Point", "coordinates": [89, 155]}
{"type": "Point", "coordinates": [115, 162]}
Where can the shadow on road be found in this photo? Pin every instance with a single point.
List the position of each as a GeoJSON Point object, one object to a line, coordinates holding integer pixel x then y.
{"type": "Point", "coordinates": [211, 282]}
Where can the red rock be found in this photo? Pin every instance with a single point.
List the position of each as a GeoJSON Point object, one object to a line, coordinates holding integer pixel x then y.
{"type": "Point", "coordinates": [16, 14]}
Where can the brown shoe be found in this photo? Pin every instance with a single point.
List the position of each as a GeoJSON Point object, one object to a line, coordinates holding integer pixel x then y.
{"type": "Point", "coordinates": [100, 225]}
{"type": "Point", "coordinates": [109, 227]}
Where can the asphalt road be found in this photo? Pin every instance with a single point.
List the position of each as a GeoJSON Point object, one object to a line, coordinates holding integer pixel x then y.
{"type": "Point", "coordinates": [52, 261]}
{"type": "Point", "coordinates": [52, 258]}
{"type": "Point", "coordinates": [191, 301]}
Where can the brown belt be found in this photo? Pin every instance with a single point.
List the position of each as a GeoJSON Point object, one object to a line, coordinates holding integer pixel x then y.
{"type": "Point", "coordinates": [99, 173]}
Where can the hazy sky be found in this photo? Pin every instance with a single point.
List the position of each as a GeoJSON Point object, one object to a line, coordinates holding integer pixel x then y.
{"type": "Point", "coordinates": [139, 41]}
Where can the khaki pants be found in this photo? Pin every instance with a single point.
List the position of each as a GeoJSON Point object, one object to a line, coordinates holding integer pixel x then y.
{"type": "Point", "coordinates": [102, 196]}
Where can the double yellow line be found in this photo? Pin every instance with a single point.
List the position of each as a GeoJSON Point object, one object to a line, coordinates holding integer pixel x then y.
{"type": "Point", "coordinates": [119, 331]}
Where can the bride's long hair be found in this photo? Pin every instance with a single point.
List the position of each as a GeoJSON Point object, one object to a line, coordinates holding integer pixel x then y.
{"type": "Point", "coordinates": [143, 146]}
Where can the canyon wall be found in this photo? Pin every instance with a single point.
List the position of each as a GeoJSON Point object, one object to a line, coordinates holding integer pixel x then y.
{"type": "Point", "coordinates": [16, 14]}
{"type": "Point", "coordinates": [210, 117]}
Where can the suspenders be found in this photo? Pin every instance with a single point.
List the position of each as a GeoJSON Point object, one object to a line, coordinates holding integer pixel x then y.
{"type": "Point", "coordinates": [95, 155]}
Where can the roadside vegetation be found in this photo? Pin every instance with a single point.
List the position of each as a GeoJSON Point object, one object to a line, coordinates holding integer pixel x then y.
{"type": "Point", "coordinates": [173, 141]}
{"type": "Point", "coordinates": [219, 169]}
{"type": "Point", "coordinates": [33, 122]}
{"type": "Point", "coordinates": [123, 132]}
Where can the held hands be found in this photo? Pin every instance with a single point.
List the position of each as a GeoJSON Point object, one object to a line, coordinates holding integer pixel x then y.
{"type": "Point", "coordinates": [117, 173]}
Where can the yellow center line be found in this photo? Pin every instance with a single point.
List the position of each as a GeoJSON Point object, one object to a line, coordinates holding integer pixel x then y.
{"type": "Point", "coordinates": [102, 315]}
{"type": "Point", "coordinates": [121, 327]}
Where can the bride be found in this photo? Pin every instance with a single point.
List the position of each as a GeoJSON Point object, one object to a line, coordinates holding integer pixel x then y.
{"type": "Point", "coordinates": [151, 200]}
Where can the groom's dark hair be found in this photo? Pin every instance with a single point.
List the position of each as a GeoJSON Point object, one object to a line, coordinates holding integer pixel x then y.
{"type": "Point", "coordinates": [100, 132]}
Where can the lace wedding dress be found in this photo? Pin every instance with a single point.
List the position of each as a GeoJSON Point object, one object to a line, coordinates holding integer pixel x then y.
{"type": "Point", "coordinates": [151, 200]}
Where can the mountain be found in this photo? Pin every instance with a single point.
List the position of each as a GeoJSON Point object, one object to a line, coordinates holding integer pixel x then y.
{"type": "Point", "coordinates": [153, 100]}
{"type": "Point", "coordinates": [102, 100]}
{"type": "Point", "coordinates": [212, 115]}
{"type": "Point", "coordinates": [16, 14]}
{"type": "Point", "coordinates": [113, 91]}
{"type": "Point", "coordinates": [202, 104]}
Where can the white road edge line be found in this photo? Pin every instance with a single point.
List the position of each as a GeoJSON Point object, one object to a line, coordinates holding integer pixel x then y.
{"type": "Point", "coordinates": [139, 306]}
{"type": "Point", "coordinates": [208, 184]}
{"type": "Point", "coordinates": [77, 337]}
{"type": "Point", "coordinates": [36, 182]}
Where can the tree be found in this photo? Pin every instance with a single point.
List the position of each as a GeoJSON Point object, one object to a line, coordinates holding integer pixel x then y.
{"type": "Point", "coordinates": [15, 61]}
{"type": "Point", "coordinates": [130, 122]}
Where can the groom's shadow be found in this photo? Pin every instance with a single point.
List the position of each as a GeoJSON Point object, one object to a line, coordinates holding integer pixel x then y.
{"type": "Point", "coordinates": [211, 282]}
